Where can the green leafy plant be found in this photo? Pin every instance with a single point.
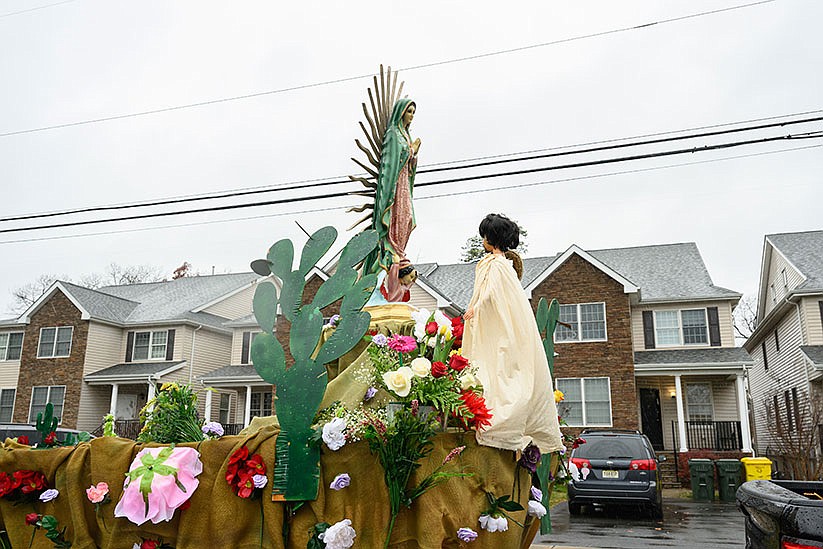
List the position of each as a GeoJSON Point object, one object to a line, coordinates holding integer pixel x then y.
{"type": "Point", "coordinates": [52, 529]}
{"type": "Point", "coordinates": [171, 416]}
{"type": "Point", "coordinates": [301, 385]}
{"type": "Point", "coordinates": [108, 426]}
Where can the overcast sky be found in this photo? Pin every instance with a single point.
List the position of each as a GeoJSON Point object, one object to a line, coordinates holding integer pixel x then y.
{"type": "Point", "coordinates": [89, 59]}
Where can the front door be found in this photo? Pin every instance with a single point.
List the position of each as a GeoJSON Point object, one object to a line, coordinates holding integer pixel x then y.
{"type": "Point", "coordinates": [126, 407]}
{"type": "Point", "coordinates": [650, 416]}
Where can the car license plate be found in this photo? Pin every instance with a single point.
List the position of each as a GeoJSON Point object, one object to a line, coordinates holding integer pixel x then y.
{"type": "Point", "coordinates": [610, 474]}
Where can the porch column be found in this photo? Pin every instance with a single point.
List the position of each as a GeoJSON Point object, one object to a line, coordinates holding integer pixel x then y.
{"type": "Point", "coordinates": [113, 404]}
{"type": "Point", "coordinates": [150, 393]}
{"type": "Point", "coordinates": [247, 413]}
{"type": "Point", "coordinates": [681, 416]}
{"type": "Point", "coordinates": [208, 404]}
{"type": "Point", "coordinates": [743, 411]}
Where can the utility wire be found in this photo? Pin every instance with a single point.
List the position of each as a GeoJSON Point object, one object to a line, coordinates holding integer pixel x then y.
{"type": "Point", "coordinates": [330, 181]}
{"type": "Point", "coordinates": [429, 197]}
{"type": "Point", "coordinates": [35, 9]}
{"type": "Point", "coordinates": [362, 76]}
{"type": "Point", "coordinates": [811, 135]}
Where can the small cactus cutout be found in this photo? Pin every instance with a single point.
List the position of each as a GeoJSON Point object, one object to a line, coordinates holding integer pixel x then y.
{"type": "Point", "coordinates": [301, 385]}
{"type": "Point", "coordinates": [546, 317]}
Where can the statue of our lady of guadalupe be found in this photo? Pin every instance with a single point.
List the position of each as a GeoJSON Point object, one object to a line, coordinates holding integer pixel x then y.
{"type": "Point", "coordinates": [392, 187]}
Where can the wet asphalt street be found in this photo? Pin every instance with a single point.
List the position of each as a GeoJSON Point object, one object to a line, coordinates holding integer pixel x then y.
{"type": "Point", "coordinates": [686, 524]}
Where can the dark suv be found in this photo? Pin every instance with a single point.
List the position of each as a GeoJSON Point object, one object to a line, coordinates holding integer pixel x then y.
{"type": "Point", "coordinates": [615, 467]}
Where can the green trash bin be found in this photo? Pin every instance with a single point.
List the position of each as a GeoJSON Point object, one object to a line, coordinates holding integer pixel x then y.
{"type": "Point", "coordinates": [728, 478]}
{"type": "Point", "coordinates": [702, 475]}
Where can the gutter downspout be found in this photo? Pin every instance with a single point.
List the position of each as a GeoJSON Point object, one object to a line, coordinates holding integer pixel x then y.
{"type": "Point", "coordinates": [191, 354]}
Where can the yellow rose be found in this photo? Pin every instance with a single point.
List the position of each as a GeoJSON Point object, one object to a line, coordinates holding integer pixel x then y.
{"type": "Point", "coordinates": [558, 396]}
{"type": "Point", "coordinates": [399, 381]}
{"type": "Point", "coordinates": [421, 366]}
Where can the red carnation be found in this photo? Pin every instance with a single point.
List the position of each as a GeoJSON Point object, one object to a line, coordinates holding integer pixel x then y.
{"type": "Point", "coordinates": [23, 439]}
{"type": "Point", "coordinates": [32, 518]}
{"type": "Point", "coordinates": [477, 406]}
{"type": "Point", "coordinates": [439, 369]}
{"type": "Point", "coordinates": [431, 328]}
{"type": "Point", "coordinates": [458, 362]}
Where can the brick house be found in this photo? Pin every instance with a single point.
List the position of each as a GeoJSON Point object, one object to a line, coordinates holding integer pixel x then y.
{"type": "Point", "coordinates": [786, 381]}
{"type": "Point", "coordinates": [651, 345]}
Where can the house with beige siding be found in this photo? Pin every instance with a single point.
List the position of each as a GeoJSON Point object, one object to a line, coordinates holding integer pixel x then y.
{"type": "Point", "coordinates": [787, 345]}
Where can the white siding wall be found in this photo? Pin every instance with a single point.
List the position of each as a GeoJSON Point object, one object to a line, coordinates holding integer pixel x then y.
{"type": "Point", "coordinates": [105, 347]}
{"type": "Point", "coordinates": [787, 369]}
{"type": "Point", "coordinates": [10, 369]}
{"type": "Point", "coordinates": [236, 306]}
{"type": "Point", "coordinates": [812, 320]}
{"type": "Point", "coordinates": [724, 313]}
{"type": "Point", "coordinates": [421, 299]}
{"type": "Point", "coordinates": [776, 266]}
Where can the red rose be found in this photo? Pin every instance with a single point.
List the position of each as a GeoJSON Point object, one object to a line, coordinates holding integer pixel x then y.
{"type": "Point", "coordinates": [458, 362]}
{"type": "Point", "coordinates": [431, 328]}
{"type": "Point", "coordinates": [149, 544]}
{"type": "Point", "coordinates": [32, 518]}
{"type": "Point", "coordinates": [439, 369]}
{"type": "Point", "coordinates": [23, 439]}
{"type": "Point", "coordinates": [50, 439]}
{"type": "Point", "coordinates": [457, 327]}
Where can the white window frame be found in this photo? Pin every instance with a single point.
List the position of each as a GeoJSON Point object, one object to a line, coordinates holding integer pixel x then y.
{"type": "Point", "coordinates": [579, 331]}
{"type": "Point", "coordinates": [220, 409]}
{"type": "Point", "coordinates": [262, 405]}
{"type": "Point", "coordinates": [48, 399]}
{"type": "Point", "coordinates": [54, 343]}
{"type": "Point", "coordinates": [583, 401]}
{"type": "Point", "coordinates": [688, 406]}
{"type": "Point", "coordinates": [152, 344]}
{"type": "Point", "coordinates": [4, 351]}
{"type": "Point", "coordinates": [13, 401]}
{"type": "Point", "coordinates": [681, 343]}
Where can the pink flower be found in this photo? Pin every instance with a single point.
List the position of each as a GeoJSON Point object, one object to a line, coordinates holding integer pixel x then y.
{"type": "Point", "coordinates": [167, 491]}
{"type": "Point", "coordinates": [402, 344]}
{"type": "Point", "coordinates": [97, 494]}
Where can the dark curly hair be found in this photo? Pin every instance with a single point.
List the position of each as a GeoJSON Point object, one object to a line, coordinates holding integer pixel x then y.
{"type": "Point", "coordinates": [504, 234]}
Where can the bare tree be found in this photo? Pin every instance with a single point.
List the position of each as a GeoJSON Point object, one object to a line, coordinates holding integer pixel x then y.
{"type": "Point", "coordinates": [473, 250]}
{"type": "Point", "coordinates": [745, 317]}
{"type": "Point", "coordinates": [26, 295]}
{"type": "Point", "coordinates": [794, 424]}
{"type": "Point", "coordinates": [182, 271]}
{"type": "Point", "coordinates": [117, 275]}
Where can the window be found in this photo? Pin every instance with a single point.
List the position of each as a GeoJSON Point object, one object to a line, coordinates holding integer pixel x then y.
{"type": "Point", "coordinates": [785, 279]}
{"type": "Point", "coordinates": [588, 401]}
{"type": "Point", "coordinates": [40, 396]}
{"type": "Point", "coordinates": [245, 350]}
{"type": "Point", "coordinates": [699, 401]}
{"type": "Point", "coordinates": [261, 404]}
{"type": "Point", "coordinates": [774, 294]}
{"type": "Point", "coordinates": [587, 320]}
{"type": "Point", "coordinates": [225, 403]}
{"type": "Point", "coordinates": [150, 345]}
{"type": "Point", "coordinates": [686, 327]}
{"type": "Point", "coordinates": [776, 342]}
{"type": "Point", "coordinates": [789, 415]}
{"type": "Point", "coordinates": [6, 404]}
{"type": "Point", "coordinates": [10, 345]}
{"type": "Point", "coordinates": [765, 358]}
{"type": "Point", "coordinates": [55, 342]}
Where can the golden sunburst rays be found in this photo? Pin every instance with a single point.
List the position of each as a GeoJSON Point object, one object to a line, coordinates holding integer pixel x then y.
{"type": "Point", "coordinates": [382, 96]}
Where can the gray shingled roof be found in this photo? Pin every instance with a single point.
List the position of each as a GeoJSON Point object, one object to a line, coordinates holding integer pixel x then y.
{"type": "Point", "coordinates": [714, 355]}
{"type": "Point", "coordinates": [235, 371]}
{"type": "Point", "coordinates": [815, 354]}
{"type": "Point", "coordinates": [663, 272]}
{"type": "Point", "coordinates": [133, 369]}
{"type": "Point", "coordinates": [242, 322]}
{"type": "Point", "coordinates": [805, 251]}
{"type": "Point", "coordinates": [101, 305]}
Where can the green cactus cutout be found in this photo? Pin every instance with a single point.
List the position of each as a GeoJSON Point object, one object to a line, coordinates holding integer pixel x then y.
{"type": "Point", "coordinates": [46, 422]}
{"type": "Point", "coordinates": [301, 385]}
{"type": "Point", "coordinates": [546, 317]}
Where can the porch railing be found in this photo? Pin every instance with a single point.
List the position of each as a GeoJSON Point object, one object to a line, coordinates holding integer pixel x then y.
{"type": "Point", "coordinates": [130, 428]}
{"type": "Point", "coordinates": [233, 428]}
{"type": "Point", "coordinates": [710, 435]}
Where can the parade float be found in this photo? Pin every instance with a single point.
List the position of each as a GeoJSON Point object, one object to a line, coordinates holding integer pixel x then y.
{"type": "Point", "coordinates": [373, 439]}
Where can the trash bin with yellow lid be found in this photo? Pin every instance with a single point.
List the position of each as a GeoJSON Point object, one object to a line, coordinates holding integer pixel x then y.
{"type": "Point", "coordinates": [757, 468]}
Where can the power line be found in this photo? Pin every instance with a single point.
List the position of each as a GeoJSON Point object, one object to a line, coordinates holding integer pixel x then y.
{"type": "Point", "coordinates": [430, 197]}
{"type": "Point", "coordinates": [36, 9]}
{"type": "Point", "coordinates": [362, 76]}
{"type": "Point", "coordinates": [811, 135]}
{"type": "Point", "coordinates": [330, 181]}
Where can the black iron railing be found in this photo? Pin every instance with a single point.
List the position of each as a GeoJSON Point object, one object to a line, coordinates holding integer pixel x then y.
{"type": "Point", "coordinates": [710, 435]}
{"type": "Point", "coordinates": [232, 428]}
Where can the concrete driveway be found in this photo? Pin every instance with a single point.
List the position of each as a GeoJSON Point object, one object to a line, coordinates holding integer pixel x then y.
{"type": "Point", "coordinates": [686, 524]}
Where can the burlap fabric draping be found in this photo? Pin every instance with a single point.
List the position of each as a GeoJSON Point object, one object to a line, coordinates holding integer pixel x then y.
{"type": "Point", "coordinates": [217, 518]}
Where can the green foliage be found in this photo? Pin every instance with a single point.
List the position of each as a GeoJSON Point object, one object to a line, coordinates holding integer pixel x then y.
{"type": "Point", "coordinates": [53, 533]}
{"type": "Point", "coordinates": [300, 387]}
{"type": "Point", "coordinates": [314, 541]}
{"type": "Point", "coordinates": [108, 425]}
{"type": "Point", "coordinates": [171, 416]}
{"type": "Point", "coordinates": [546, 317]}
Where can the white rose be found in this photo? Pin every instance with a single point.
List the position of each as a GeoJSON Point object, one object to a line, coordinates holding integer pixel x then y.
{"type": "Point", "coordinates": [339, 535]}
{"type": "Point", "coordinates": [333, 434]}
{"type": "Point", "coordinates": [399, 381]}
{"type": "Point", "coordinates": [536, 509]}
{"type": "Point", "coordinates": [421, 366]}
{"type": "Point", "coordinates": [468, 380]}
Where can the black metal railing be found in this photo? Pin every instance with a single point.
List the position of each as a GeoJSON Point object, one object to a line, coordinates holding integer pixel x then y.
{"type": "Point", "coordinates": [710, 435]}
{"type": "Point", "coordinates": [232, 428]}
